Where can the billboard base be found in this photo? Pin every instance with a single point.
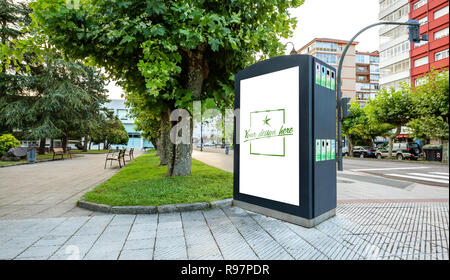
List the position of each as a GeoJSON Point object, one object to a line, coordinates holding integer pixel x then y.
{"type": "Point", "coordinates": [308, 223]}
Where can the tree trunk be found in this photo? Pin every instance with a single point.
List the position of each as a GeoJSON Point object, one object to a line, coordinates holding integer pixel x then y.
{"type": "Point", "coordinates": [391, 140]}
{"type": "Point", "coordinates": [85, 144]}
{"type": "Point", "coordinates": [444, 151]}
{"type": "Point", "coordinates": [41, 150]}
{"type": "Point", "coordinates": [158, 146]}
{"type": "Point", "coordinates": [154, 142]}
{"type": "Point", "coordinates": [180, 155]}
{"type": "Point", "coordinates": [164, 143]}
{"type": "Point", "coordinates": [350, 146]}
{"type": "Point", "coordinates": [64, 143]}
{"type": "Point", "coordinates": [52, 144]}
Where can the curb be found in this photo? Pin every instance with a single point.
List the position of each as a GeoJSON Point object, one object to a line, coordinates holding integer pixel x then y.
{"type": "Point", "coordinates": [26, 163]}
{"type": "Point", "coordinates": [169, 208]}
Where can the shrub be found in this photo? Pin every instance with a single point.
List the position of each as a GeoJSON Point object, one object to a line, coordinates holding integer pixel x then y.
{"type": "Point", "coordinates": [7, 141]}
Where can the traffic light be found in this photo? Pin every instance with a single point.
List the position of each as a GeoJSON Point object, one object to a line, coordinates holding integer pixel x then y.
{"type": "Point", "coordinates": [414, 31]}
{"type": "Point", "coordinates": [346, 107]}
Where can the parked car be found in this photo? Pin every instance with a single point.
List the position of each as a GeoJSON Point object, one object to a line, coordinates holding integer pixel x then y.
{"type": "Point", "coordinates": [400, 151]}
{"type": "Point", "coordinates": [363, 151]}
{"type": "Point", "coordinates": [382, 152]}
{"type": "Point", "coordinates": [345, 151]}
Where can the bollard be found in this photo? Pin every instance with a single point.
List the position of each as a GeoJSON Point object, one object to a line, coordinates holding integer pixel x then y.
{"type": "Point", "coordinates": [31, 153]}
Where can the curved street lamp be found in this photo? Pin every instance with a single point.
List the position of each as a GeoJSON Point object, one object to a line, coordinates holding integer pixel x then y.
{"type": "Point", "coordinates": [293, 51]}
{"type": "Point", "coordinates": [414, 36]}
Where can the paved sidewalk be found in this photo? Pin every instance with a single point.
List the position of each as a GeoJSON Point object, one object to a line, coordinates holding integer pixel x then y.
{"type": "Point", "coordinates": [411, 230]}
{"type": "Point", "coordinates": [219, 160]}
{"type": "Point", "coordinates": [50, 189]}
{"type": "Point", "coordinates": [385, 219]}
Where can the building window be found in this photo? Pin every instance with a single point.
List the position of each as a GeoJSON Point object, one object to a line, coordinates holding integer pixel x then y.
{"type": "Point", "coordinates": [122, 114]}
{"type": "Point", "coordinates": [374, 77]}
{"type": "Point", "coordinates": [419, 4]}
{"type": "Point", "coordinates": [423, 20]}
{"type": "Point", "coordinates": [395, 50]}
{"type": "Point", "coordinates": [374, 59]}
{"type": "Point", "coordinates": [420, 81]}
{"type": "Point", "coordinates": [328, 58]}
{"type": "Point", "coordinates": [416, 45]}
{"type": "Point", "coordinates": [441, 55]}
{"type": "Point", "coordinates": [421, 61]}
{"type": "Point", "coordinates": [396, 68]}
{"type": "Point", "coordinates": [374, 69]}
{"type": "Point", "coordinates": [362, 79]}
{"type": "Point", "coordinates": [403, 11]}
{"type": "Point", "coordinates": [394, 33]}
{"type": "Point", "coordinates": [326, 46]}
{"type": "Point", "coordinates": [361, 58]}
{"type": "Point", "coordinates": [441, 12]}
{"type": "Point", "coordinates": [441, 34]}
{"type": "Point", "coordinates": [134, 135]}
{"type": "Point", "coordinates": [387, 3]}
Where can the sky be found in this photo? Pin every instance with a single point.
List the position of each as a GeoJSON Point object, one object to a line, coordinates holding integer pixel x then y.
{"type": "Point", "coordinates": [336, 19]}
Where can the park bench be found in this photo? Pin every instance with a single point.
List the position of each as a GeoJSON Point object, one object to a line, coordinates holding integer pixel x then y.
{"type": "Point", "coordinates": [60, 152]}
{"type": "Point", "coordinates": [130, 154]}
{"type": "Point", "coordinates": [115, 156]}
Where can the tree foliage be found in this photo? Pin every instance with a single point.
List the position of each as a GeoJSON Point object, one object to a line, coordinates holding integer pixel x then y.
{"type": "Point", "coordinates": [109, 130]}
{"type": "Point", "coordinates": [431, 105]}
{"type": "Point", "coordinates": [165, 54]}
{"type": "Point", "coordinates": [7, 141]}
{"type": "Point", "coordinates": [360, 128]}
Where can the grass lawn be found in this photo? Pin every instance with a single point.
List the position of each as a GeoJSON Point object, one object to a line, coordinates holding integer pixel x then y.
{"type": "Point", "coordinates": [143, 182]}
{"type": "Point", "coordinates": [38, 158]}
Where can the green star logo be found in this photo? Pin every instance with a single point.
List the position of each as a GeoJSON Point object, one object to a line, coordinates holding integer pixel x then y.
{"type": "Point", "coordinates": [266, 120]}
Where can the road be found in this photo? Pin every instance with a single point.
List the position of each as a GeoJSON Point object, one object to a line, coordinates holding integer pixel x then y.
{"type": "Point", "coordinates": [393, 173]}
{"type": "Point", "coordinates": [434, 174]}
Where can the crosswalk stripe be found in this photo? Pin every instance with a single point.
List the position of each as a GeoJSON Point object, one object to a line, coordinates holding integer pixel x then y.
{"type": "Point", "coordinates": [439, 173]}
{"type": "Point", "coordinates": [418, 178]}
{"type": "Point", "coordinates": [390, 168]}
{"type": "Point", "coordinates": [429, 175]}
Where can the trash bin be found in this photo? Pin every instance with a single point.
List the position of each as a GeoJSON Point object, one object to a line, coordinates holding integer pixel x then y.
{"type": "Point", "coordinates": [31, 154]}
{"type": "Point", "coordinates": [432, 152]}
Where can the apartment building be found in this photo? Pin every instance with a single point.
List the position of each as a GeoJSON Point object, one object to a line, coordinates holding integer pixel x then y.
{"type": "Point", "coordinates": [394, 44]}
{"type": "Point", "coordinates": [434, 54]}
{"type": "Point", "coordinates": [330, 51]}
{"type": "Point", "coordinates": [360, 70]}
{"type": "Point", "coordinates": [367, 75]}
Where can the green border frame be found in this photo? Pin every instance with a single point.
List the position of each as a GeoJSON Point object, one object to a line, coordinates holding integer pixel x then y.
{"type": "Point", "coordinates": [284, 138]}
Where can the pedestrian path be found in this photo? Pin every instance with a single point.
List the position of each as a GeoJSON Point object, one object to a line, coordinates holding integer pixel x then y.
{"type": "Point", "coordinates": [50, 189]}
{"type": "Point", "coordinates": [425, 178]}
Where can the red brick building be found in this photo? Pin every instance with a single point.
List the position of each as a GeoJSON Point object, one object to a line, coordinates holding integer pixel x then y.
{"type": "Point", "coordinates": [434, 18]}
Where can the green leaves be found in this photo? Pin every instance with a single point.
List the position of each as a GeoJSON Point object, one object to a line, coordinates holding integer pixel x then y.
{"type": "Point", "coordinates": [431, 106]}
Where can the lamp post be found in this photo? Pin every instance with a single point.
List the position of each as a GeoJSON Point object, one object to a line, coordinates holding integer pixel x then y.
{"type": "Point", "coordinates": [414, 36]}
{"type": "Point", "coordinates": [293, 51]}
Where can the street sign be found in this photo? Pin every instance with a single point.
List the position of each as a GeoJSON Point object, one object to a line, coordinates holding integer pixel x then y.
{"type": "Point", "coordinates": [284, 159]}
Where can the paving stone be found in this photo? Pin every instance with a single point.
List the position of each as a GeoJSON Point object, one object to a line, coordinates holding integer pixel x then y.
{"type": "Point", "coordinates": [380, 231]}
{"type": "Point", "coordinates": [52, 240]}
{"type": "Point", "coordinates": [146, 219]}
{"type": "Point", "coordinates": [122, 220]}
{"type": "Point", "coordinates": [138, 254]}
{"type": "Point", "coordinates": [42, 252]}
{"type": "Point", "coordinates": [136, 235]}
{"type": "Point", "coordinates": [139, 244]}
